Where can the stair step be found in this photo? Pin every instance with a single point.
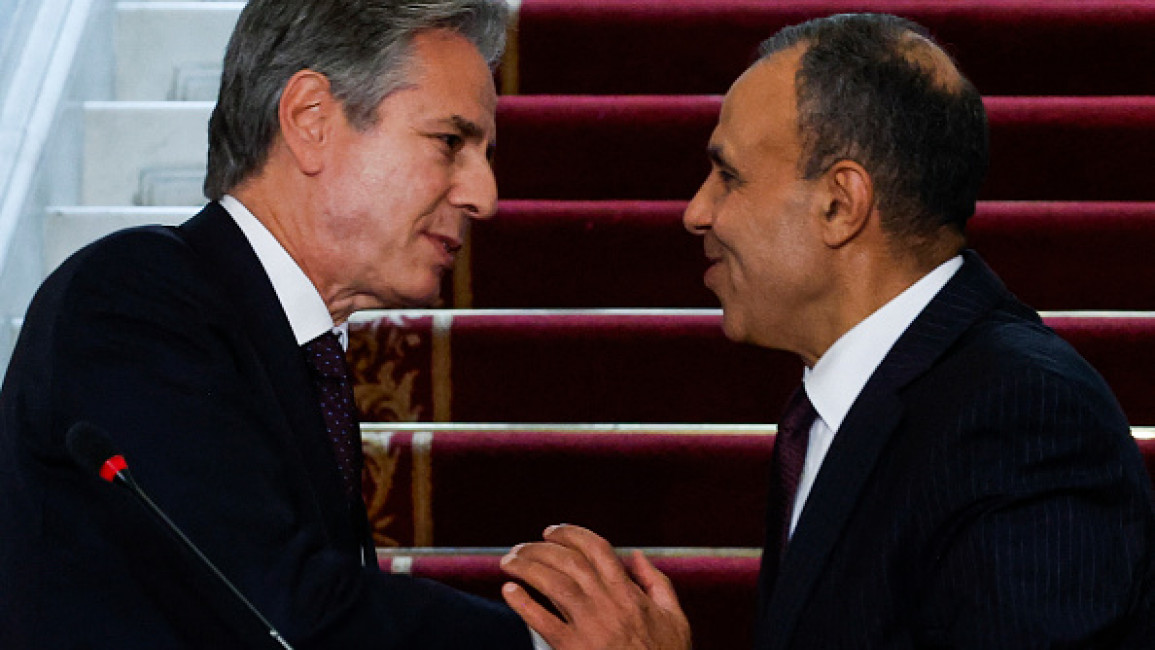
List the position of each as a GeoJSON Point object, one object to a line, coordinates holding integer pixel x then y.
{"type": "Point", "coordinates": [1006, 47]}
{"type": "Point", "coordinates": [125, 142]}
{"type": "Point", "coordinates": [621, 254]}
{"type": "Point", "coordinates": [1018, 47]}
{"type": "Point", "coordinates": [636, 254]}
{"type": "Point", "coordinates": [171, 50]}
{"type": "Point", "coordinates": [590, 148]}
{"type": "Point", "coordinates": [422, 486]}
{"type": "Point", "coordinates": [666, 486]}
{"type": "Point", "coordinates": [655, 366]}
{"type": "Point", "coordinates": [680, 486]}
{"type": "Point", "coordinates": [1056, 148]}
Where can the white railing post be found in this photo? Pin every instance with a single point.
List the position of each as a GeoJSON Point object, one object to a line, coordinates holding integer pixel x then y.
{"type": "Point", "coordinates": [29, 108]}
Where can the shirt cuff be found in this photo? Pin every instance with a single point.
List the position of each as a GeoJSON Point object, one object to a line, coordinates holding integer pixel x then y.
{"type": "Point", "coordinates": [538, 642]}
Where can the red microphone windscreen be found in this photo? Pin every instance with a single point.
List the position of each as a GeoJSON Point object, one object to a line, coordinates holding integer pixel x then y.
{"type": "Point", "coordinates": [91, 448]}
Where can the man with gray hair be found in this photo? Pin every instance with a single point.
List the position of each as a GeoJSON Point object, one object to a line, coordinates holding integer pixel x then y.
{"type": "Point", "coordinates": [950, 474]}
{"type": "Point", "coordinates": [349, 150]}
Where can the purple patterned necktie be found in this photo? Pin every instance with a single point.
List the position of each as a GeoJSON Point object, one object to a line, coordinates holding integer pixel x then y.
{"type": "Point", "coordinates": [790, 455]}
{"type": "Point", "coordinates": [335, 387]}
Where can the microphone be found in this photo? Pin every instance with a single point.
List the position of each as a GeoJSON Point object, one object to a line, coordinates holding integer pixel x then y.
{"type": "Point", "coordinates": [92, 449]}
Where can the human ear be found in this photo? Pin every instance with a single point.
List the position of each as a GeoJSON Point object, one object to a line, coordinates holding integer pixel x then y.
{"type": "Point", "coordinates": [850, 202]}
{"type": "Point", "coordinates": [306, 112]}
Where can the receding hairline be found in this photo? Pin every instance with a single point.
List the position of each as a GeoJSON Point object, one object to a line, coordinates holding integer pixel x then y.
{"type": "Point", "coordinates": [913, 47]}
{"type": "Point", "coordinates": [921, 52]}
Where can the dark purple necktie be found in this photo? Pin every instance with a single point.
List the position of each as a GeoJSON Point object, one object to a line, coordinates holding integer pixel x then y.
{"type": "Point", "coordinates": [335, 387]}
{"type": "Point", "coordinates": [790, 455]}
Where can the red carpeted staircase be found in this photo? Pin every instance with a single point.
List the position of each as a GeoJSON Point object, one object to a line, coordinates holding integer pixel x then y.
{"type": "Point", "coordinates": [653, 147]}
{"type": "Point", "coordinates": [1007, 47]}
{"type": "Point", "coordinates": [639, 366]}
{"type": "Point", "coordinates": [581, 375]}
{"type": "Point", "coordinates": [629, 254]}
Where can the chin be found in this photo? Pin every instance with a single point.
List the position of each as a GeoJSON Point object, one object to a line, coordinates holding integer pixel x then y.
{"type": "Point", "coordinates": [422, 301]}
{"type": "Point", "coordinates": [732, 327]}
{"type": "Point", "coordinates": [428, 295]}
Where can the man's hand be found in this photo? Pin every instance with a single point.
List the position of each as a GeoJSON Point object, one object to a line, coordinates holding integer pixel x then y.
{"type": "Point", "coordinates": [603, 607]}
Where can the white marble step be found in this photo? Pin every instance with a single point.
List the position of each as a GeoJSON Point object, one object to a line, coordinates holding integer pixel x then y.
{"type": "Point", "coordinates": [67, 229]}
{"type": "Point", "coordinates": [171, 50]}
{"type": "Point", "coordinates": [144, 153]}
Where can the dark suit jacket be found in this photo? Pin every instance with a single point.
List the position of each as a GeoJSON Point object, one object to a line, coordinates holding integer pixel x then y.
{"type": "Point", "coordinates": [983, 492]}
{"type": "Point", "coordinates": [173, 340]}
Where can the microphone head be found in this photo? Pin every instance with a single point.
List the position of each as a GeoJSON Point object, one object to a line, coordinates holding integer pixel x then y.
{"type": "Point", "coordinates": [91, 448]}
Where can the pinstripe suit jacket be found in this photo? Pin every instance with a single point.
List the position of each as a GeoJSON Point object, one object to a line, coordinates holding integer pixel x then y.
{"type": "Point", "coordinates": [983, 492]}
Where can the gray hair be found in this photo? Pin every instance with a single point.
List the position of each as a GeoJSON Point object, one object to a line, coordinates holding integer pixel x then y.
{"type": "Point", "coordinates": [363, 47]}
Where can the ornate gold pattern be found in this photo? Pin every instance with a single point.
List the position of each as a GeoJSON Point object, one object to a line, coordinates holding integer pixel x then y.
{"type": "Point", "coordinates": [377, 485]}
{"type": "Point", "coordinates": [385, 372]}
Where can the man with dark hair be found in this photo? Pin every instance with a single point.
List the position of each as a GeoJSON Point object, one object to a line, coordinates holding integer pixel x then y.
{"type": "Point", "coordinates": [951, 474]}
{"type": "Point", "coordinates": [349, 150]}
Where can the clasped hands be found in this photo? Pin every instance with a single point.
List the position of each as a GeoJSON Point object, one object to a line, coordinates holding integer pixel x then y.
{"type": "Point", "coordinates": [605, 603]}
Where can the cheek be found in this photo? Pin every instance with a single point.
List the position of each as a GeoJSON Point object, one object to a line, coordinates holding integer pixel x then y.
{"type": "Point", "coordinates": [385, 171]}
{"type": "Point", "coordinates": [769, 260]}
{"type": "Point", "coordinates": [750, 240]}
{"type": "Point", "coordinates": [416, 190]}
{"type": "Point", "coordinates": [377, 205]}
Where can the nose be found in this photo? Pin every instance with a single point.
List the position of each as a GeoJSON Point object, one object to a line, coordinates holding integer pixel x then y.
{"type": "Point", "coordinates": [476, 189]}
{"type": "Point", "coordinates": [698, 217]}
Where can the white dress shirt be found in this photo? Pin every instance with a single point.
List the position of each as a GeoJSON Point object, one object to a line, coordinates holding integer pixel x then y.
{"type": "Point", "coordinates": [306, 310]}
{"type": "Point", "coordinates": [836, 379]}
{"type": "Point", "coordinates": [303, 305]}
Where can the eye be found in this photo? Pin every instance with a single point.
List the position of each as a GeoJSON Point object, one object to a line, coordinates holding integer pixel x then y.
{"type": "Point", "coordinates": [728, 178]}
{"type": "Point", "coordinates": [452, 141]}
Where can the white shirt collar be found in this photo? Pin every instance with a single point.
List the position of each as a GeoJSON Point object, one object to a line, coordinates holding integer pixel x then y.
{"type": "Point", "coordinates": [303, 305]}
{"type": "Point", "coordinates": [839, 376]}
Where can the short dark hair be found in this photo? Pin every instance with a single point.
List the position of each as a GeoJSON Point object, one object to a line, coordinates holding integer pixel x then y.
{"type": "Point", "coordinates": [361, 46]}
{"type": "Point", "coordinates": [863, 95]}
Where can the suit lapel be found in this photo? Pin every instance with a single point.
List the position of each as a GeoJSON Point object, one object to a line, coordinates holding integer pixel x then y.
{"type": "Point", "coordinates": [864, 434]}
{"type": "Point", "coordinates": [231, 261]}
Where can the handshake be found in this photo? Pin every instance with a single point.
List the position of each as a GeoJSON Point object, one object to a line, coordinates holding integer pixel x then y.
{"type": "Point", "coordinates": [600, 600]}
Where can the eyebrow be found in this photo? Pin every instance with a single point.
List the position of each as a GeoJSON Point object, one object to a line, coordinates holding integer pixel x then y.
{"type": "Point", "coordinates": [470, 130]}
{"type": "Point", "coordinates": [718, 158]}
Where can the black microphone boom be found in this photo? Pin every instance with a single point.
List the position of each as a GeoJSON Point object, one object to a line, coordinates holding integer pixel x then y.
{"type": "Point", "coordinates": [92, 449]}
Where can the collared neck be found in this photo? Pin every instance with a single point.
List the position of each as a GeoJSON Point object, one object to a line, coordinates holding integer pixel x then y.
{"type": "Point", "coordinates": [835, 381]}
{"type": "Point", "coordinates": [303, 306]}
